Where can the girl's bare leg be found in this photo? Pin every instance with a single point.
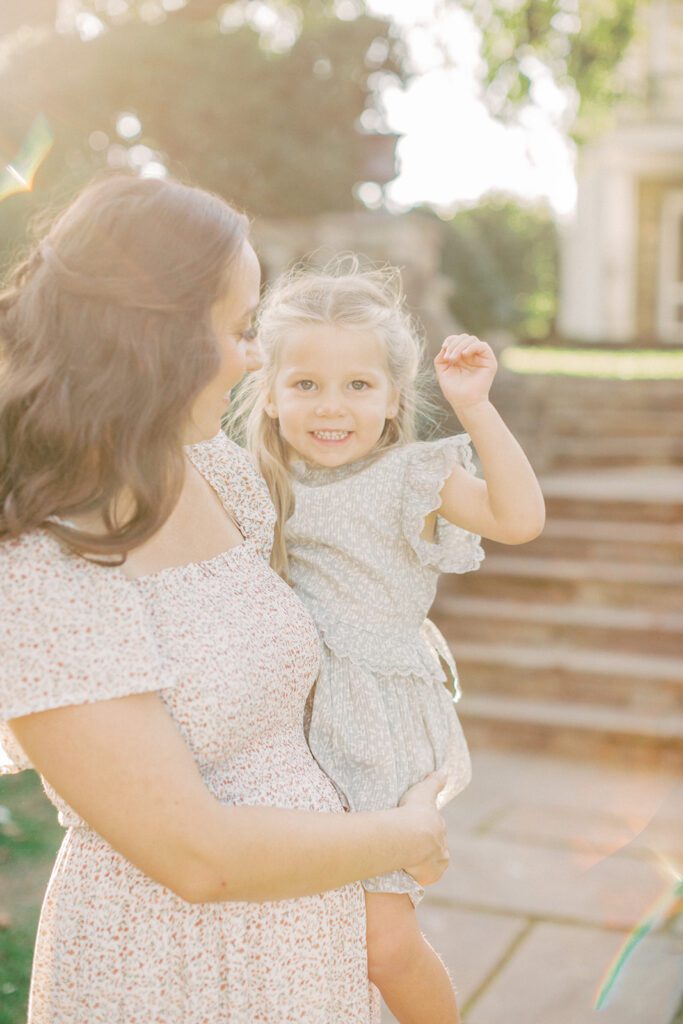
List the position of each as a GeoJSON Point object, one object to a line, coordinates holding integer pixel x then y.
{"type": "Point", "coordinates": [413, 981]}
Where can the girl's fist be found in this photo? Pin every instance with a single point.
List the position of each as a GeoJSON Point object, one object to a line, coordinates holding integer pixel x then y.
{"type": "Point", "coordinates": [465, 368]}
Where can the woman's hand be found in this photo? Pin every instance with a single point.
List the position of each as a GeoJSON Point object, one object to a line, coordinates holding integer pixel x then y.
{"type": "Point", "coordinates": [465, 368]}
{"type": "Point", "coordinates": [420, 801]}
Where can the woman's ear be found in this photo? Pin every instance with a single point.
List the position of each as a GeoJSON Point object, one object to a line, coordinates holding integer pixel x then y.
{"type": "Point", "coordinates": [270, 410]}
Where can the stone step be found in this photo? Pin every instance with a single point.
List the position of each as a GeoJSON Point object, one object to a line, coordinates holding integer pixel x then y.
{"type": "Point", "coordinates": [648, 684]}
{"type": "Point", "coordinates": [577, 581]}
{"type": "Point", "coordinates": [585, 395]}
{"type": "Point", "coordinates": [579, 451]}
{"type": "Point", "coordinates": [615, 422]}
{"type": "Point", "coordinates": [614, 510]}
{"type": "Point", "coordinates": [602, 539]}
{"type": "Point", "coordinates": [488, 620]}
{"type": "Point", "coordinates": [617, 735]}
{"type": "Point", "coordinates": [627, 494]}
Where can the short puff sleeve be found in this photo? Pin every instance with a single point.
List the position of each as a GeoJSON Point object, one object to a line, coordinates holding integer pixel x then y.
{"type": "Point", "coordinates": [71, 632]}
{"type": "Point", "coordinates": [428, 466]}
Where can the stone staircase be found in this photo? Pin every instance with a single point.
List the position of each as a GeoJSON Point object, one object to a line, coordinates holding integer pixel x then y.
{"type": "Point", "coordinates": [578, 423]}
{"type": "Point", "coordinates": [574, 643]}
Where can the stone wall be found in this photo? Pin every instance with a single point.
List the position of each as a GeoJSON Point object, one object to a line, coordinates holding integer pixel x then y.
{"type": "Point", "coordinates": [410, 241]}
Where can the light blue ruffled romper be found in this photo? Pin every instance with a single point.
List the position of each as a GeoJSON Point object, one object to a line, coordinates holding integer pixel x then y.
{"type": "Point", "coordinates": [381, 716]}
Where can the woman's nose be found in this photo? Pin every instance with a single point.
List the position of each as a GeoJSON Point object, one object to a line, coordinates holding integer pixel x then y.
{"type": "Point", "coordinates": [253, 356]}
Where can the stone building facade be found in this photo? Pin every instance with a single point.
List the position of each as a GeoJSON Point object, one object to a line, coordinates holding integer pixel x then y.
{"type": "Point", "coordinates": [623, 254]}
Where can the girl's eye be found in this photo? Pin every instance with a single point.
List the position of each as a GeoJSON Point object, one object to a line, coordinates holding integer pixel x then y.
{"type": "Point", "coordinates": [305, 385]}
{"type": "Point", "coordinates": [359, 385]}
{"type": "Point", "coordinates": [249, 334]}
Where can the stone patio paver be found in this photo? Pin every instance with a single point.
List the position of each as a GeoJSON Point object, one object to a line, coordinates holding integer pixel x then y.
{"type": "Point", "coordinates": [547, 877]}
{"type": "Point", "coordinates": [597, 831]}
{"type": "Point", "coordinates": [556, 972]}
{"type": "Point", "coordinates": [516, 777]}
{"type": "Point", "coordinates": [521, 878]}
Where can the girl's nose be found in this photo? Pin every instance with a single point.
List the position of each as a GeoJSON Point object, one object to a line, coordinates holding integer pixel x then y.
{"type": "Point", "coordinates": [330, 406]}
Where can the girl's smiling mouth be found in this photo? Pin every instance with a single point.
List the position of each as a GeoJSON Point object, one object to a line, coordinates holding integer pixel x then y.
{"type": "Point", "coordinates": [331, 436]}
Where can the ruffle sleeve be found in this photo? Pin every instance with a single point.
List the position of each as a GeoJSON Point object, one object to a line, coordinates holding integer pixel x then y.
{"type": "Point", "coordinates": [71, 632]}
{"type": "Point", "coordinates": [243, 491]}
{"type": "Point", "coordinates": [428, 466]}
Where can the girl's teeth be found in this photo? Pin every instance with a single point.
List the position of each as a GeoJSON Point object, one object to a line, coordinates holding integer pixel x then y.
{"type": "Point", "coordinates": [331, 435]}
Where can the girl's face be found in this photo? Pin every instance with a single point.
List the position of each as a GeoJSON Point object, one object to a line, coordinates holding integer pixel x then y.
{"type": "Point", "coordinates": [332, 394]}
{"type": "Point", "coordinates": [231, 316]}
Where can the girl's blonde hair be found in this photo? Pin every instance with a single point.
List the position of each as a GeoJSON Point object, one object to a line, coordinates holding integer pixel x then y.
{"type": "Point", "coordinates": [349, 293]}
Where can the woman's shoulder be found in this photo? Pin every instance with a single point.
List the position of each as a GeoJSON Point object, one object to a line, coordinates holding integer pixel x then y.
{"type": "Point", "coordinates": [232, 472]}
{"type": "Point", "coordinates": [35, 561]}
{"type": "Point", "coordinates": [221, 454]}
{"type": "Point", "coordinates": [230, 468]}
{"type": "Point", "coordinates": [71, 630]}
{"type": "Point", "coordinates": [39, 575]}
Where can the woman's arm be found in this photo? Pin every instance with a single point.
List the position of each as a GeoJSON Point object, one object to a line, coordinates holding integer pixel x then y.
{"type": "Point", "coordinates": [507, 505]}
{"type": "Point", "coordinates": [123, 766]}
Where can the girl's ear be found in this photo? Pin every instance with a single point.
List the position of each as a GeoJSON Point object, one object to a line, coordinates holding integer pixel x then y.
{"type": "Point", "coordinates": [392, 407]}
{"type": "Point", "coordinates": [270, 410]}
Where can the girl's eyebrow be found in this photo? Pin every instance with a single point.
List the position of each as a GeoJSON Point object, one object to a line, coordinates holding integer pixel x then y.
{"type": "Point", "coordinates": [296, 371]}
{"type": "Point", "coordinates": [301, 371]}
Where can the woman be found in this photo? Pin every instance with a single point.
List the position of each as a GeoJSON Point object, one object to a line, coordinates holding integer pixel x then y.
{"type": "Point", "coordinates": [154, 669]}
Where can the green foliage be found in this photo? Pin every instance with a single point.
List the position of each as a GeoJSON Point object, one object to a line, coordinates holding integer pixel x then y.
{"type": "Point", "coordinates": [16, 949]}
{"type": "Point", "coordinates": [502, 259]}
{"type": "Point", "coordinates": [28, 821]}
{"type": "Point", "coordinates": [580, 42]}
{"type": "Point", "coordinates": [276, 131]}
{"type": "Point", "coordinates": [29, 838]}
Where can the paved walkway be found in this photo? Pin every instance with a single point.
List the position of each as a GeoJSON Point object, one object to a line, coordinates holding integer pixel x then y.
{"type": "Point", "coordinates": [553, 863]}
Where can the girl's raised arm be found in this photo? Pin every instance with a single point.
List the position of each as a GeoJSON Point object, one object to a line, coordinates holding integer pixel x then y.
{"type": "Point", "coordinates": [507, 505]}
{"type": "Point", "coordinates": [123, 766]}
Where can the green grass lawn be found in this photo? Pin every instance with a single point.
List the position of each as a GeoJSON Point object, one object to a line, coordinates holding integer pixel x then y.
{"type": "Point", "coordinates": [29, 838]}
{"type": "Point", "coordinates": [609, 364]}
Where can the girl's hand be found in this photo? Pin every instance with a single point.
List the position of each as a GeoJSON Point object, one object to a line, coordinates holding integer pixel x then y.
{"type": "Point", "coordinates": [420, 801]}
{"type": "Point", "coordinates": [465, 368]}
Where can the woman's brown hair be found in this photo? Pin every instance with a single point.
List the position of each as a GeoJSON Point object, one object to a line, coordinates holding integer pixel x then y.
{"type": "Point", "coordinates": [106, 341]}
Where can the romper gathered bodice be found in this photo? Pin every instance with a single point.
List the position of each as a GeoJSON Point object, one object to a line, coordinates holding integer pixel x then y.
{"type": "Point", "coordinates": [359, 562]}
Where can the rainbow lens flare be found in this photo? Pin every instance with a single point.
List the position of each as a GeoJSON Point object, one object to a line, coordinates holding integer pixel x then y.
{"type": "Point", "coordinates": [19, 174]}
{"type": "Point", "coordinates": [664, 910]}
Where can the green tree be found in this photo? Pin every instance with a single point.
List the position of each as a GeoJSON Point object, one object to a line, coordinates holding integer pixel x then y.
{"type": "Point", "coordinates": [579, 43]}
{"type": "Point", "coordinates": [503, 261]}
{"type": "Point", "coordinates": [277, 130]}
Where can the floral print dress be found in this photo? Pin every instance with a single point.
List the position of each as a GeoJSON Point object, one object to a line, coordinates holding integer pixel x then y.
{"type": "Point", "coordinates": [233, 655]}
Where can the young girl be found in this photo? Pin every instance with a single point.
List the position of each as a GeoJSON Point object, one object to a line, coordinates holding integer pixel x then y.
{"type": "Point", "coordinates": [368, 518]}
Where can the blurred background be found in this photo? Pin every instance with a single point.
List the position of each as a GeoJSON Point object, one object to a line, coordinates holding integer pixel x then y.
{"type": "Point", "coordinates": [522, 162]}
